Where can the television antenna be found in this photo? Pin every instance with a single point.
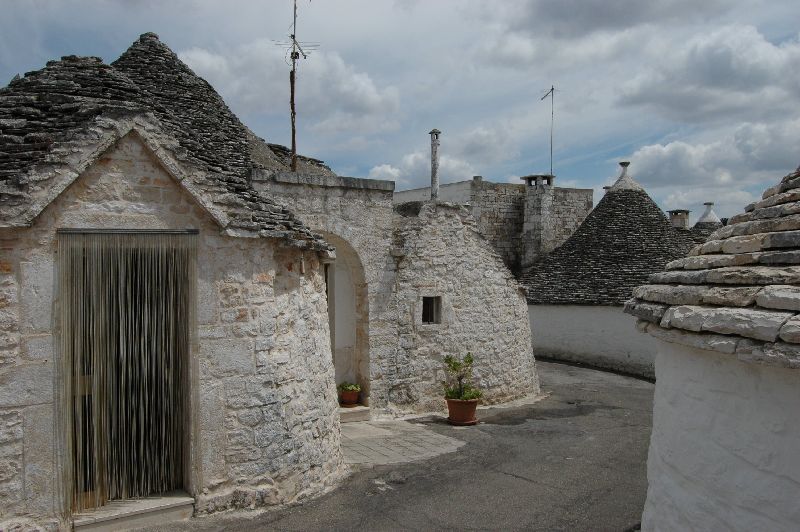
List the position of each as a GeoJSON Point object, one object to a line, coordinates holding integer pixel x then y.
{"type": "Point", "coordinates": [295, 50]}
{"type": "Point", "coordinates": [552, 94]}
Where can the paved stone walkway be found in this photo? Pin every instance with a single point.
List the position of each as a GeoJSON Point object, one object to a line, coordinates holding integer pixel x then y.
{"type": "Point", "coordinates": [572, 461]}
{"type": "Point", "coordinates": [369, 443]}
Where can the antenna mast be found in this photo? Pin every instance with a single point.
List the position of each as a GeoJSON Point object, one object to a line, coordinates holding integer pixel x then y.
{"type": "Point", "coordinates": [552, 94]}
{"type": "Point", "coordinates": [295, 51]}
{"type": "Point", "coordinates": [295, 57]}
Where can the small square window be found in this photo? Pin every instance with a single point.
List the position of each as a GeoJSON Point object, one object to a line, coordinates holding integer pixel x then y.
{"type": "Point", "coordinates": [431, 309]}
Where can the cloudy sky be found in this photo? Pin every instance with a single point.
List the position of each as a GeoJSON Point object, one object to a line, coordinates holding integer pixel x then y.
{"type": "Point", "coordinates": [702, 96]}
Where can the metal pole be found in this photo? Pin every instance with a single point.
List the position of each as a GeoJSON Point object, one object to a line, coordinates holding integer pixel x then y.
{"type": "Point", "coordinates": [552, 94]}
{"type": "Point", "coordinates": [552, 121]}
{"type": "Point", "coordinates": [291, 84]}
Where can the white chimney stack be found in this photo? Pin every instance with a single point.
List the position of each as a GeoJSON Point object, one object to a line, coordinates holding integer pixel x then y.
{"type": "Point", "coordinates": [709, 216]}
{"type": "Point", "coordinates": [435, 163]}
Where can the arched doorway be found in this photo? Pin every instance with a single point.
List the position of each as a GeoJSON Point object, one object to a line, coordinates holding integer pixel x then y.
{"type": "Point", "coordinates": [348, 316]}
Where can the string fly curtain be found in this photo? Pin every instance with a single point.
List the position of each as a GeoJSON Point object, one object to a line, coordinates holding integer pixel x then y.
{"type": "Point", "coordinates": [126, 306]}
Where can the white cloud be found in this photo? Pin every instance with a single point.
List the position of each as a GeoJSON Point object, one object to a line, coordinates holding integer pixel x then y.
{"type": "Point", "coordinates": [414, 170]}
{"type": "Point", "coordinates": [732, 72]}
{"type": "Point", "coordinates": [333, 95]}
{"type": "Point", "coordinates": [385, 171]}
{"type": "Point", "coordinates": [706, 94]}
{"type": "Point", "coordinates": [730, 169]}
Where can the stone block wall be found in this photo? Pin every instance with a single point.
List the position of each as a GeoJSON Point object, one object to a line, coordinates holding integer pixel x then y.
{"type": "Point", "coordinates": [358, 212]}
{"type": "Point", "coordinates": [440, 252]}
{"type": "Point", "coordinates": [499, 209]}
{"type": "Point", "coordinates": [523, 223]}
{"type": "Point", "coordinates": [264, 422]}
{"type": "Point", "coordinates": [551, 215]}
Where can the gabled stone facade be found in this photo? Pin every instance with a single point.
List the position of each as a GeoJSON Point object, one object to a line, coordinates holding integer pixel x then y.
{"type": "Point", "coordinates": [264, 424]}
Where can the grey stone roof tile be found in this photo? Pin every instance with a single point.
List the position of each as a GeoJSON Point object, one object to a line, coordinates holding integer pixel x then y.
{"type": "Point", "coordinates": [43, 112]}
{"type": "Point", "coordinates": [749, 282]}
{"type": "Point", "coordinates": [47, 108]}
{"type": "Point", "coordinates": [624, 239]}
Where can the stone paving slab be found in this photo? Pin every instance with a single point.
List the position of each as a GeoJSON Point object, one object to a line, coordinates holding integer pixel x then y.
{"type": "Point", "coordinates": [370, 443]}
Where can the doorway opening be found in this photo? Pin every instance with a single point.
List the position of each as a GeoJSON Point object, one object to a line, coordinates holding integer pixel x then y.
{"type": "Point", "coordinates": [348, 316]}
{"type": "Point", "coordinates": [126, 307]}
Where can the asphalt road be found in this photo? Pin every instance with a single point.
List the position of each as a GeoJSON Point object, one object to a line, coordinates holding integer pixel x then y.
{"type": "Point", "coordinates": [572, 461]}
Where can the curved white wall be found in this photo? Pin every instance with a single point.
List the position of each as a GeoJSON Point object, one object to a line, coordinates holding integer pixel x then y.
{"type": "Point", "coordinates": [596, 335]}
{"type": "Point", "coordinates": [724, 447]}
{"type": "Point", "coordinates": [343, 306]}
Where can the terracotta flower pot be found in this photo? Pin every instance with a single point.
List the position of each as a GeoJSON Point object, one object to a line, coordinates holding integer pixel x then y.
{"type": "Point", "coordinates": [462, 412]}
{"type": "Point", "coordinates": [348, 398]}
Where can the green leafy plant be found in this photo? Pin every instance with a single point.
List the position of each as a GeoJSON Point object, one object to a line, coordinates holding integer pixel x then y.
{"type": "Point", "coordinates": [349, 387]}
{"type": "Point", "coordinates": [459, 383]}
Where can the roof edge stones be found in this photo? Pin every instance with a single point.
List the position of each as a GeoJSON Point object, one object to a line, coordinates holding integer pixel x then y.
{"type": "Point", "coordinates": [329, 181]}
{"type": "Point", "coordinates": [739, 292]}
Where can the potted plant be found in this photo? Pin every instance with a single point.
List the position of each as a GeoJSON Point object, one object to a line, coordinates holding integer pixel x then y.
{"type": "Point", "coordinates": [460, 392]}
{"type": "Point", "coordinates": [348, 393]}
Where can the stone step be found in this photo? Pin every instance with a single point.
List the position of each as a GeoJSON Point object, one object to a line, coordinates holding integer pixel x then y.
{"type": "Point", "coordinates": [136, 513]}
{"type": "Point", "coordinates": [357, 413]}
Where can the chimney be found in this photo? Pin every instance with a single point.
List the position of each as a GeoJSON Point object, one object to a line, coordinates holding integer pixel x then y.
{"type": "Point", "coordinates": [538, 180]}
{"type": "Point", "coordinates": [435, 164]}
{"type": "Point", "coordinates": [679, 218]}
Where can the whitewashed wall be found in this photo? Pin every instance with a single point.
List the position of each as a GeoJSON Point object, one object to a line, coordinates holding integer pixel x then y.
{"type": "Point", "coordinates": [597, 335]}
{"type": "Point", "coordinates": [725, 443]}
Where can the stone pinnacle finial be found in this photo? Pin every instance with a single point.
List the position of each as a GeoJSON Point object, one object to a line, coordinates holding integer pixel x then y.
{"type": "Point", "coordinates": [625, 181]}
{"type": "Point", "coordinates": [148, 36]}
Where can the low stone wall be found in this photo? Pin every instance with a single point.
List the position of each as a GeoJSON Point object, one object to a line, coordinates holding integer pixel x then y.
{"type": "Point", "coordinates": [723, 451]}
{"type": "Point", "coordinates": [440, 253]}
{"type": "Point", "coordinates": [264, 419]}
{"type": "Point", "coordinates": [596, 335]}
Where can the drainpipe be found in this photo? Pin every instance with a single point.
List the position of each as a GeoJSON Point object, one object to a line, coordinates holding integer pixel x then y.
{"type": "Point", "coordinates": [435, 164]}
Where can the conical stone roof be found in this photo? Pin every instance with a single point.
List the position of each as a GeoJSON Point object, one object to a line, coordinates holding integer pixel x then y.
{"type": "Point", "coordinates": [44, 114]}
{"type": "Point", "coordinates": [193, 111]}
{"type": "Point", "coordinates": [44, 110]}
{"type": "Point", "coordinates": [619, 244]}
{"type": "Point", "coordinates": [739, 292]}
